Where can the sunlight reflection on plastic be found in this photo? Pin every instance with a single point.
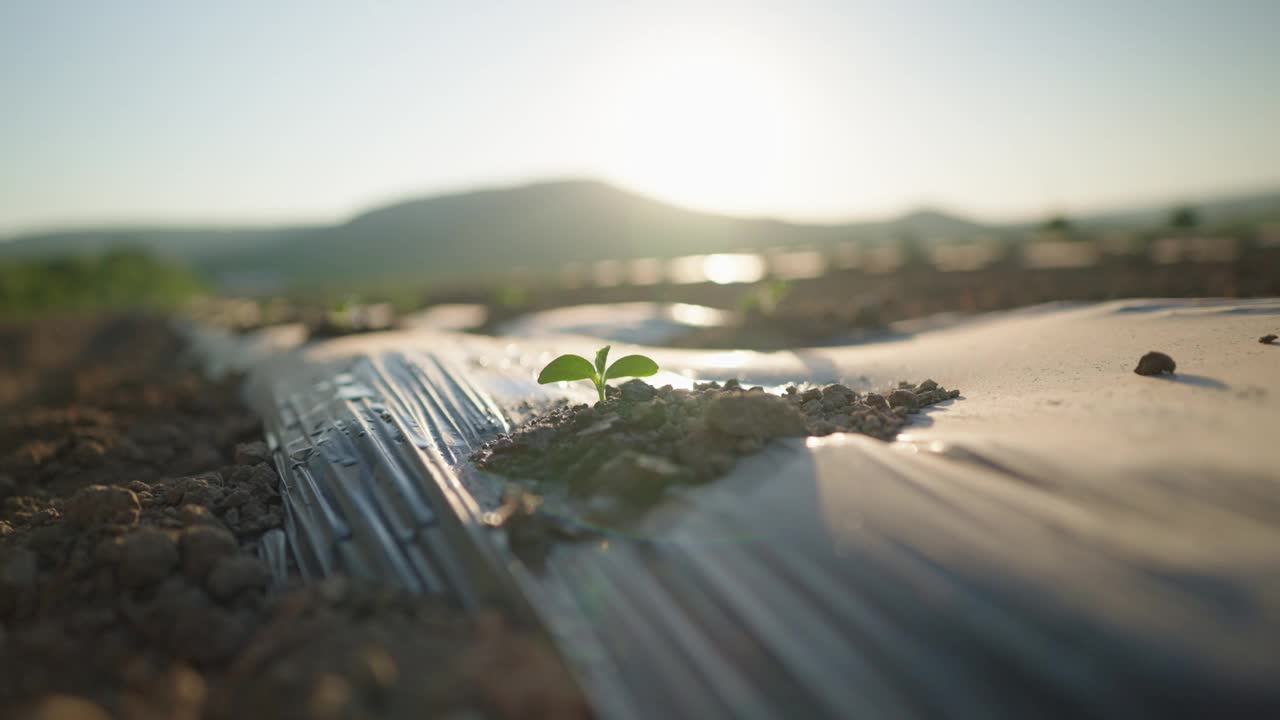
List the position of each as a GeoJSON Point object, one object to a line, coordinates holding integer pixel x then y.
{"type": "Point", "coordinates": [608, 273]}
{"type": "Point", "coordinates": [686, 270]}
{"type": "Point", "coordinates": [645, 271]}
{"type": "Point", "coordinates": [833, 440]}
{"type": "Point", "coordinates": [797, 265]}
{"type": "Point", "coordinates": [725, 269]}
{"type": "Point", "coordinates": [729, 359]}
{"type": "Point", "coordinates": [698, 315]}
{"type": "Point", "coordinates": [674, 379]}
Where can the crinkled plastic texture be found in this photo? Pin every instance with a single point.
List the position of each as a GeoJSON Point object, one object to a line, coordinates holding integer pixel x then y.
{"type": "Point", "coordinates": [1067, 539]}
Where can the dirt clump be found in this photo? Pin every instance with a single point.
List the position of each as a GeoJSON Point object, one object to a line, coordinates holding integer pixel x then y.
{"type": "Point", "coordinates": [145, 556]}
{"type": "Point", "coordinates": [344, 649]}
{"type": "Point", "coordinates": [202, 546]}
{"type": "Point", "coordinates": [1268, 339]}
{"type": "Point", "coordinates": [103, 505]}
{"type": "Point", "coordinates": [613, 459]}
{"type": "Point", "coordinates": [1155, 363]}
{"type": "Point", "coordinates": [753, 415]}
{"type": "Point", "coordinates": [903, 397]}
{"type": "Point", "coordinates": [96, 451]}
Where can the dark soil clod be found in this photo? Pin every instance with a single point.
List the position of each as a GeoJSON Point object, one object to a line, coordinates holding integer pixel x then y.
{"type": "Point", "coordinates": [1154, 363]}
{"type": "Point", "coordinates": [1269, 338]}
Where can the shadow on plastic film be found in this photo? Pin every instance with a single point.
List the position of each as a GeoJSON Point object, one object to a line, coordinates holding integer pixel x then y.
{"type": "Point", "coordinates": [1202, 381]}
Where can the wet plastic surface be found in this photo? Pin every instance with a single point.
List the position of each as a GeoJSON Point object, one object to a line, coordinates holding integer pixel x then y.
{"type": "Point", "coordinates": [638, 323]}
{"type": "Point", "coordinates": [1069, 539]}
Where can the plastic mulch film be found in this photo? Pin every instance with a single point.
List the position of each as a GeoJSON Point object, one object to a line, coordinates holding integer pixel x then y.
{"type": "Point", "coordinates": [1067, 539]}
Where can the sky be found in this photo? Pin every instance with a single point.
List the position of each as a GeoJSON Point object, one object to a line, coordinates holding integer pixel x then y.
{"type": "Point", "coordinates": [260, 112]}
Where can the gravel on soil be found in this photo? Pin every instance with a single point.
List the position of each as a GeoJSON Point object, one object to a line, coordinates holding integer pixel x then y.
{"type": "Point", "coordinates": [612, 460]}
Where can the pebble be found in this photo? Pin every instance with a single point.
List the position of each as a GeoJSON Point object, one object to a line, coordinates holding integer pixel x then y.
{"type": "Point", "coordinates": [903, 398]}
{"type": "Point", "coordinates": [837, 390]}
{"type": "Point", "coordinates": [1154, 363]}
{"type": "Point", "coordinates": [637, 390]}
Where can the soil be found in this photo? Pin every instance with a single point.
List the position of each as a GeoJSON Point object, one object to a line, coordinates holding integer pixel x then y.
{"type": "Point", "coordinates": [611, 461]}
{"type": "Point", "coordinates": [1154, 363]}
{"type": "Point", "coordinates": [353, 320]}
{"type": "Point", "coordinates": [132, 494]}
{"type": "Point", "coordinates": [845, 304]}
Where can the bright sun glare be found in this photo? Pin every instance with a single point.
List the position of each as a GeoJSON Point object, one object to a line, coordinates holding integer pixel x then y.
{"type": "Point", "coordinates": [701, 119]}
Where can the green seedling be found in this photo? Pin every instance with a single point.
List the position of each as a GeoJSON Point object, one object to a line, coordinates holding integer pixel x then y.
{"type": "Point", "coordinates": [576, 367]}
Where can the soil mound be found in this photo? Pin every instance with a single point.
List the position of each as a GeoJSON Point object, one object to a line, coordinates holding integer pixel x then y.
{"type": "Point", "coordinates": [616, 457]}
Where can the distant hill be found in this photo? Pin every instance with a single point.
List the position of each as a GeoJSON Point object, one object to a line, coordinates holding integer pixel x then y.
{"type": "Point", "coordinates": [538, 227]}
{"type": "Point", "coordinates": [1213, 212]}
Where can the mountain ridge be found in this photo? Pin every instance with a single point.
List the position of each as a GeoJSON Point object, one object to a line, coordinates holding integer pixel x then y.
{"type": "Point", "coordinates": [539, 226]}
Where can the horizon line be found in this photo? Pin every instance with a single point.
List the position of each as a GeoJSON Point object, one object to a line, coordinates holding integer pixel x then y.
{"type": "Point", "coordinates": [462, 190]}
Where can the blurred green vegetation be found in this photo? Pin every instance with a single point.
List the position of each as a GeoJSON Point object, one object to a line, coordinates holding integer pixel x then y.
{"type": "Point", "coordinates": [1058, 223]}
{"type": "Point", "coordinates": [764, 298]}
{"type": "Point", "coordinates": [1184, 217]}
{"type": "Point", "coordinates": [119, 279]}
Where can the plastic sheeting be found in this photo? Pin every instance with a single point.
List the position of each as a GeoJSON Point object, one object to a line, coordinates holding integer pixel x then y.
{"type": "Point", "coordinates": [1067, 539]}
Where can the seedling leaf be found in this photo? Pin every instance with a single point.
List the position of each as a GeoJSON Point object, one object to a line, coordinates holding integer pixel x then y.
{"type": "Point", "coordinates": [575, 367]}
{"type": "Point", "coordinates": [566, 367]}
{"type": "Point", "coordinates": [632, 366]}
